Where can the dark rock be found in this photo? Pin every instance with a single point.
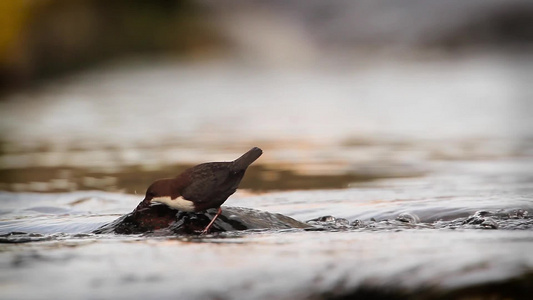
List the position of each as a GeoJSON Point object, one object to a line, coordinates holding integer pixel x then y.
{"type": "Point", "coordinates": [163, 218]}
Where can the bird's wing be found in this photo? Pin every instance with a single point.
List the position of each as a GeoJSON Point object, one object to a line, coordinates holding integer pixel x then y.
{"type": "Point", "coordinates": [206, 180]}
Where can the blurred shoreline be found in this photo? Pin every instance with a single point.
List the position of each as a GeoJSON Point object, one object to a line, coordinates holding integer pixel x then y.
{"type": "Point", "coordinates": [37, 45]}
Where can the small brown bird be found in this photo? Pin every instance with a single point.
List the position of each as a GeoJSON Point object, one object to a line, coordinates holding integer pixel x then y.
{"type": "Point", "coordinates": [201, 187]}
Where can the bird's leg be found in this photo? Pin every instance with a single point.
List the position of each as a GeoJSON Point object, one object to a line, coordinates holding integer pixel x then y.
{"type": "Point", "coordinates": [212, 221]}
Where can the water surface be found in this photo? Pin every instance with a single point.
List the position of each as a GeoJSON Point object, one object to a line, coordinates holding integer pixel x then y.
{"type": "Point", "coordinates": [442, 233]}
{"type": "Point", "coordinates": [417, 178]}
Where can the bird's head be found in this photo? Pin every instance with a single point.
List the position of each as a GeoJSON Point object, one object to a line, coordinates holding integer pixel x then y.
{"type": "Point", "coordinates": [160, 191]}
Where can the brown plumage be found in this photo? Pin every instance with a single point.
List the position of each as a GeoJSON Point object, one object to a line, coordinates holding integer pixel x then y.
{"type": "Point", "coordinates": [201, 187]}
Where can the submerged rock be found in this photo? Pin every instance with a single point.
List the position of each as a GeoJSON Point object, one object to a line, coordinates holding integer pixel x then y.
{"type": "Point", "coordinates": [408, 218]}
{"type": "Point", "coordinates": [167, 221]}
{"type": "Point", "coordinates": [163, 218]}
{"type": "Point", "coordinates": [330, 223]}
{"type": "Point", "coordinates": [483, 219]}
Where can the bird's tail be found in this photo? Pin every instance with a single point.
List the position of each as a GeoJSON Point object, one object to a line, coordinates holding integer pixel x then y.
{"type": "Point", "coordinates": [247, 159]}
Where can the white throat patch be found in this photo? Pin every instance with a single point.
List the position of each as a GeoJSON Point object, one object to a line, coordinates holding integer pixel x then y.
{"type": "Point", "coordinates": [177, 203]}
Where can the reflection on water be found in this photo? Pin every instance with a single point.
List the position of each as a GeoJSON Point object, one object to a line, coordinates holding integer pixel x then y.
{"type": "Point", "coordinates": [455, 231]}
{"type": "Point", "coordinates": [115, 129]}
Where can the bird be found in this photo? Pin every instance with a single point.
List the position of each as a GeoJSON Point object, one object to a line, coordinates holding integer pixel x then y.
{"type": "Point", "coordinates": [204, 186]}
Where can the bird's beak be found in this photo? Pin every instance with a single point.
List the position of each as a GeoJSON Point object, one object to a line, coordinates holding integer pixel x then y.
{"type": "Point", "coordinates": [143, 205]}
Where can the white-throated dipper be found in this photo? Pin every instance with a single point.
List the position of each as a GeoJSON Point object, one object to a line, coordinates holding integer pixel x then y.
{"type": "Point", "coordinates": [201, 187]}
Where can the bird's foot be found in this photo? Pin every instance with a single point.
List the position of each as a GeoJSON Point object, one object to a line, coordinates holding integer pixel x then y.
{"type": "Point", "coordinates": [206, 229]}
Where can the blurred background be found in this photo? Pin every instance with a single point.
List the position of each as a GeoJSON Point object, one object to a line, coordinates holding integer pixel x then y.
{"type": "Point", "coordinates": [110, 95]}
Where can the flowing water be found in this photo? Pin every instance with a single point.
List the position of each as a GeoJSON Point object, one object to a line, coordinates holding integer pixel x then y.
{"type": "Point", "coordinates": [416, 179]}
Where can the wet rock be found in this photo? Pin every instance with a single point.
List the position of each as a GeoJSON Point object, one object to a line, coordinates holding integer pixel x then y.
{"type": "Point", "coordinates": [518, 214]}
{"type": "Point", "coordinates": [358, 224]}
{"type": "Point", "coordinates": [162, 218]}
{"type": "Point", "coordinates": [408, 218]}
{"type": "Point", "coordinates": [476, 218]}
{"type": "Point", "coordinates": [489, 223]}
{"type": "Point", "coordinates": [330, 222]}
{"type": "Point", "coordinates": [483, 219]}
{"type": "Point", "coordinates": [328, 219]}
{"type": "Point", "coordinates": [341, 222]}
{"type": "Point", "coordinates": [23, 237]}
